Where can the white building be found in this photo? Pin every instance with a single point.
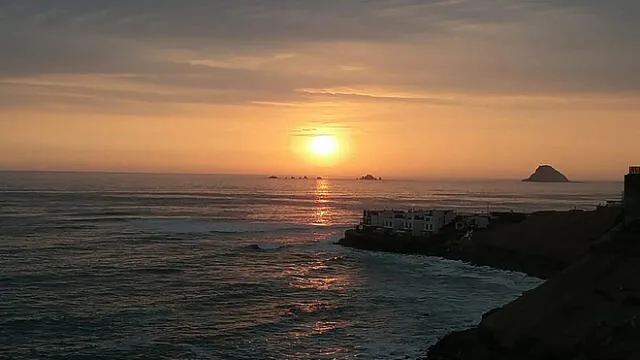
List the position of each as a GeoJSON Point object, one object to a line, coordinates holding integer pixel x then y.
{"type": "Point", "coordinates": [416, 222]}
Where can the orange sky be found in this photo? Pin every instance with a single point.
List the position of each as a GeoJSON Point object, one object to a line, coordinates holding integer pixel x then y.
{"type": "Point", "coordinates": [425, 92]}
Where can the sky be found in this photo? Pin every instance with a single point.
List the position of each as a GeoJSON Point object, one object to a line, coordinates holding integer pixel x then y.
{"type": "Point", "coordinates": [408, 88]}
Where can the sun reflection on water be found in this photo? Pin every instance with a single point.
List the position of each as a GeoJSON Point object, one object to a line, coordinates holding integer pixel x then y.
{"type": "Point", "coordinates": [314, 276]}
{"type": "Point", "coordinates": [319, 328]}
{"type": "Point", "coordinates": [321, 209]}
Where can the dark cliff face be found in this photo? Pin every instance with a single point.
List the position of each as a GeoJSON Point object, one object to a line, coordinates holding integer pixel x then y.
{"type": "Point", "coordinates": [589, 311]}
{"type": "Point", "coordinates": [546, 173]}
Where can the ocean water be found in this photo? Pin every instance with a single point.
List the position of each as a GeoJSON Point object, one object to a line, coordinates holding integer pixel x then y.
{"type": "Point", "coordinates": [126, 266]}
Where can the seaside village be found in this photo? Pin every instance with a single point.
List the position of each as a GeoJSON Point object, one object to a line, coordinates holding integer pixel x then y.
{"type": "Point", "coordinates": [426, 223]}
{"type": "Point", "coordinates": [421, 223]}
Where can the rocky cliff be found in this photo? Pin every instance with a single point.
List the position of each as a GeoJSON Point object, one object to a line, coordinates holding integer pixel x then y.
{"type": "Point", "coordinates": [589, 311]}
{"type": "Point", "coordinates": [539, 244]}
{"type": "Point", "coordinates": [546, 173]}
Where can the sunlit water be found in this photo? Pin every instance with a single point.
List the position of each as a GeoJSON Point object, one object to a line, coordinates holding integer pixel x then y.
{"type": "Point", "coordinates": [114, 266]}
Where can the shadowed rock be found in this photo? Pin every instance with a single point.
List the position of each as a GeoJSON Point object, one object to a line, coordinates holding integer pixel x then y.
{"type": "Point", "coordinates": [369, 177]}
{"type": "Point", "coordinates": [546, 173]}
{"type": "Point", "coordinates": [589, 311]}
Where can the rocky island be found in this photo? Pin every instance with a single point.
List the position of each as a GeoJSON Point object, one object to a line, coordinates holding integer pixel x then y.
{"type": "Point", "coordinates": [546, 173]}
{"type": "Point", "coordinates": [370, 177]}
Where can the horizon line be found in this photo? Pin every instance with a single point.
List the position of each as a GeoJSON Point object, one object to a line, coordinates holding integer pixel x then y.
{"type": "Point", "coordinates": [283, 177]}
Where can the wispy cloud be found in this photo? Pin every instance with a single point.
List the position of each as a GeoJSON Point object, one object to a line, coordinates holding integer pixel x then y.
{"type": "Point", "coordinates": [259, 52]}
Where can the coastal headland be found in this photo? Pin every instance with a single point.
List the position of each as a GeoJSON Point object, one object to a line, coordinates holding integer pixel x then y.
{"type": "Point", "coordinates": [540, 244]}
{"type": "Point", "coordinates": [589, 307]}
{"type": "Point", "coordinates": [590, 310]}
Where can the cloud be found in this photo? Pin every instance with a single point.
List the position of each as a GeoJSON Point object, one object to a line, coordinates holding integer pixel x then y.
{"type": "Point", "coordinates": [287, 20]}
{"type": "Point", "coordinates": [379, 96]}
{"type": "Point", "coordinates": [255, 51]}
{"type": "Point", "coordinates": [247, 20]}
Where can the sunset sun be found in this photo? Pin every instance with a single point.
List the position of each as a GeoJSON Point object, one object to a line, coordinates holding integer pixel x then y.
{"type": "Point", "coordinates": [323, 145]}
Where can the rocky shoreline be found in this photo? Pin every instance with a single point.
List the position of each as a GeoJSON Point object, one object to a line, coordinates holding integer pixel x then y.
{"type": "Point", "coordinates": [589, 307]}
{"type": "Point", "coordinates": [591, 310]}
{"type": "Point", "coordinates": [503, 259]}
{"type": "Point", "coordinates": [539, 244]}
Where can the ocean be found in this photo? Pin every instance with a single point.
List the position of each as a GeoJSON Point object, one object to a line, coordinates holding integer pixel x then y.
{"type": "Point", "coordinates": [142, 266]}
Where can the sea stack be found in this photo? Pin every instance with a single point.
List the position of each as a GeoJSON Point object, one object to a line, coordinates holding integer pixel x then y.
{"type": "Point", "coordinates": [369, 177]}
{"type": "Point", "coordinates": [546, 173]}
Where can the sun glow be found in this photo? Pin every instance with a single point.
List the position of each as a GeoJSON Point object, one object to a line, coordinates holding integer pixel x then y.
{"type": "Point", "coordinates": [323, 145]}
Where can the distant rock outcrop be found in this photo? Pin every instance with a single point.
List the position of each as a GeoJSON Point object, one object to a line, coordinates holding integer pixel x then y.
{"type": "Point", "coordinates": [546, 173]}
{"type": "Point", "coordinates": [370, 177]}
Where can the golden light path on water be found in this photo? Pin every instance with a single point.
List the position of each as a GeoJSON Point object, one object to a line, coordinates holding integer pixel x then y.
{"type": "Point", "coordinates": [322, 210]}
{"type": "Point", "coordinates": [317, 275]}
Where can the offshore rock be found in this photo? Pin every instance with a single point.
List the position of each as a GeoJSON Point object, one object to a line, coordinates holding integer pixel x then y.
{"type": "Point", "coordinates": [546, 173]}
{"type": "Point", "coordinates": [370, 177]}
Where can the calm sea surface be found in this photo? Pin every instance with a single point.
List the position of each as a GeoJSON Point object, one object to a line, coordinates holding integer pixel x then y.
{"type": "Point", "coordinates": [122, 266]}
